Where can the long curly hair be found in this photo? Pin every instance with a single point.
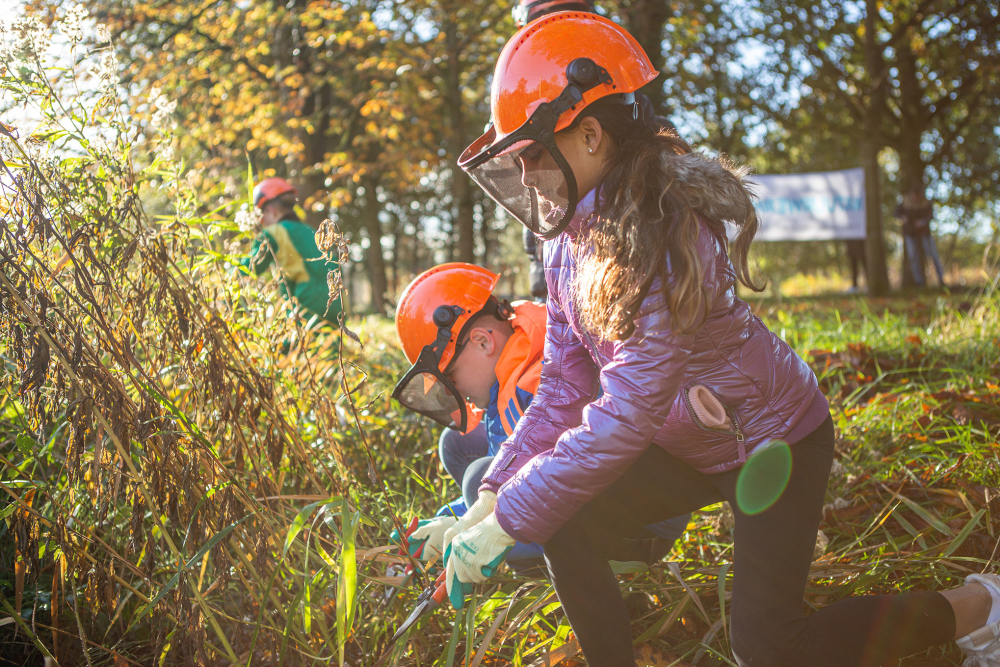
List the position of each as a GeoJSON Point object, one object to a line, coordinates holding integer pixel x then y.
{"type": "Point", "coordinates": [652, 193]}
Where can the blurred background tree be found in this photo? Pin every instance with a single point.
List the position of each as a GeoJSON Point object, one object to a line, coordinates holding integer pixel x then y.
{"type": "Point", "coordinates": [910, 90]}
{"type": "Point", "coordinates": [367, 105]}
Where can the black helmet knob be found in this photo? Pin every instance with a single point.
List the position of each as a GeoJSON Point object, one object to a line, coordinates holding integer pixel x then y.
{"type": "Point", "coordinates": [445, 316]}
{"type": "Point", "coordinates": [582, 72]}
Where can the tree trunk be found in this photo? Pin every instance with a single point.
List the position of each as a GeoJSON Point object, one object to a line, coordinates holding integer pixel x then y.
{"type": "Point", "coordinates": [911, 129]}
{"type": "Point", "coordinates": [461, 184]}
{"type": "Point", "coordinates": [397, 239]}
{"type": "Point", "coordinates": [374, 258]}
{"type": "Point", "coordinates": [311, 185]}
{"type": "Point", "coordinates": [875, 273]}
{"type": "Point", "coordinates": [415, 249]}
{"type": "Point", "coordinates": [645, 20]}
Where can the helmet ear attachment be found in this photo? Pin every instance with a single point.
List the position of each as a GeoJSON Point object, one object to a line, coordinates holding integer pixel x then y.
{"type": "Point", "coordinates": [585, 73]}
{"type": "Point", "coordinates": [444, 319]}
{"type": "Point", "coordinates": [582, 74]}
{"type": "Point", "coordinates": [445, 316]}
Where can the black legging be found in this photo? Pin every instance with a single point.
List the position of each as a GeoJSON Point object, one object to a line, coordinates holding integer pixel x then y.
{"type": "Point", "coordinates": [773, 552]}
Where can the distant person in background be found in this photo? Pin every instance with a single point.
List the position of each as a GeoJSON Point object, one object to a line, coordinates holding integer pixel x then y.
{"type": "Point", "coordinates": [524, 13]}
{"type": "Point", "coordinates": [856, 256]}
{"type": "Point", "coordinates": [915, 213]}
{"type": "Point", "coordinates": [291, 244]}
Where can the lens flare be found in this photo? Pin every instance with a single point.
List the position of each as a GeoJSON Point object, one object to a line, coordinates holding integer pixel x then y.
{"type": "Point", "coordinates": [764, 477]}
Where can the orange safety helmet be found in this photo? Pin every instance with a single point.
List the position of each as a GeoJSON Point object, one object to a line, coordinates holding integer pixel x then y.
{"type": "Point", "coordinates": [546, 75]}
{"type": "Point", "coordinates": [431, 317]}
{"type": "Point", "coordinates": [527, 11]}
{"type": "Point", "coordinates": [270, 189]}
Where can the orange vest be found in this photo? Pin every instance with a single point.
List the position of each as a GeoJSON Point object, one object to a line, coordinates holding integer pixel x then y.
{"type": "Point", "coordinates": [519, 367]}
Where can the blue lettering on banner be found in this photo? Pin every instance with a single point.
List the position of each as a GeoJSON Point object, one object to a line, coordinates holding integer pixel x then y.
{"type": "Point", "coordinates": [818, 205]}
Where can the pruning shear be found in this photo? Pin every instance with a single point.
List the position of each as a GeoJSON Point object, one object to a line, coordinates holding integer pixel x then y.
{"type": "Point", "coordinates": [428, 600]}
{"type": "Point", "coordinates": [407, 571]}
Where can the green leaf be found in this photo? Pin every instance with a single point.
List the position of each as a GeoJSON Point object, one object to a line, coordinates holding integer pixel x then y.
{"type": "Point", "coordinates": [964, 533]}
{"type": "Point", "coordinates": [310, 584]}
{"type": "Point", "coordinates": [908, 527]}
{"type": "Point", "coordinates": [166, 648]}
{"type": "Point", "coordinates": [25, 444]}
{"type": "Point", "coordinates": [453, 642]}
{"type": "Point", "coordinates": [347, 584]}
{"type": "Point", "coordinates": [288, 623]}
{"type": "Point", "coordinates": [194, 559]}
{"type": "Point", "coordinates": [927, 516]}
{"type": "Point", "coordinates": [7, 511]}
{"type": "Point", "coordinates": [723, 572]}
{"type": "Point", "coordinates": [470, 628]}
{"type": "Point", "coordinates": [300, 522]}
{"type": "Point", "coordinates": [628, 567]}
{"type": "Point", "coordinates": [325, 555]}
{"type": "Point", "coordinates": [24, 627]}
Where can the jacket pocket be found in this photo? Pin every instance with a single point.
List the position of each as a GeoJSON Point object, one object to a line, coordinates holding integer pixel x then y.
{"type": "Point", "coordinates": [710, 413]}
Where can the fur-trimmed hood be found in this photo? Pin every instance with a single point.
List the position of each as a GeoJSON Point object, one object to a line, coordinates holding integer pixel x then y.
{"type": "Point", "coordinates": [717, 190]}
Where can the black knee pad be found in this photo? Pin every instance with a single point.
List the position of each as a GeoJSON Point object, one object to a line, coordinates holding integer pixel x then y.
{"type": "Point", "coordinates": [757, 649]}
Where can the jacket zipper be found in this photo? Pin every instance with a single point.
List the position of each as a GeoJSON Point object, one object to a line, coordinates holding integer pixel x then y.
{"type": "Point", "coordinates": [586, 334]}
{"type": "Point", "coordinates": [736, 431]}
{"type": "Point", "coordinates": [597, 384]}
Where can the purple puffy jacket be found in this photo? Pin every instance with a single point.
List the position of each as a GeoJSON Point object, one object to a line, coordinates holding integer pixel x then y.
{"type": "Point", "coordinates": [709, 398]}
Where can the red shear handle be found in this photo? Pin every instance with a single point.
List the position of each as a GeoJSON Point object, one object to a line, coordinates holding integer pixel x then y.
{"type": "Point", "coordinates": [404, 547]}
{"type": "Point", "coordinates": [441, 592]}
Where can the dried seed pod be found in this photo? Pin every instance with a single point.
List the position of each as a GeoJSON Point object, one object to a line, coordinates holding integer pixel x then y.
{"type": "Point", "coordinates": [136, 530]}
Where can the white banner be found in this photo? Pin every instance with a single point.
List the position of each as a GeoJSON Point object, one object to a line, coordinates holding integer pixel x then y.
{"type": "Point", "coordinates": [811, 207]}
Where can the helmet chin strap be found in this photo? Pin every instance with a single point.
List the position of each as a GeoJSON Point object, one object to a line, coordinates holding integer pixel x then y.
{"type": "Point", "coordinates": [444, 318]}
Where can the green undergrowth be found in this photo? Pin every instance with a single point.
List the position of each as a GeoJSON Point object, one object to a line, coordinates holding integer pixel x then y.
{"type": "Point", "coordinates": [268, 467]}
{"type": "Point", "coordinates": [911, 503]}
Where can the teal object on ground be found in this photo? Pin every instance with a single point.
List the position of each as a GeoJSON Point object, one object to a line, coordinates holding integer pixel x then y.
{"type": "Point", "coordinates": [764, 477]}
{"type": "Point", "coordinates": [292, 246]}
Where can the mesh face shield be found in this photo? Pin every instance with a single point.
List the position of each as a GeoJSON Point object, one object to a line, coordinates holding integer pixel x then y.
{"type": "Point", "coordinates": [525, 172]}
{"type": "Point", "coordinates": [531, 180]}
{"type": "Point", "coordinates": [425, 389]}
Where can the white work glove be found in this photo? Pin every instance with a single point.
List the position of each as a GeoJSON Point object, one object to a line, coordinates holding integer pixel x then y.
{"type": "Point", "coordinates": [481, 509]}
{"type": "Point", "coordinates": [431, 532]}
{"type": "Point", "coordinates": [474, 556]}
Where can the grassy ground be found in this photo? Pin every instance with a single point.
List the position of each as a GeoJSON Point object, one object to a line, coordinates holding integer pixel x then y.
{"type": "Point", "coordinates": [911, 502]}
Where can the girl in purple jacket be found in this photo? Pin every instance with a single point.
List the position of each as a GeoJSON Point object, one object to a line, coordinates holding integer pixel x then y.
{"type": "Point", "coordinates": [642, 305]}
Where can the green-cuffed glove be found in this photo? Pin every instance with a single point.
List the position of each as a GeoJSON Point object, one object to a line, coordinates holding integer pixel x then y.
{"type": "Point", "coordinates": [473, 556]}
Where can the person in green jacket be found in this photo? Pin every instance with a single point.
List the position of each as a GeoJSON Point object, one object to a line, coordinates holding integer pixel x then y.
{"type": "Point", "coordinates": [291, 244]}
